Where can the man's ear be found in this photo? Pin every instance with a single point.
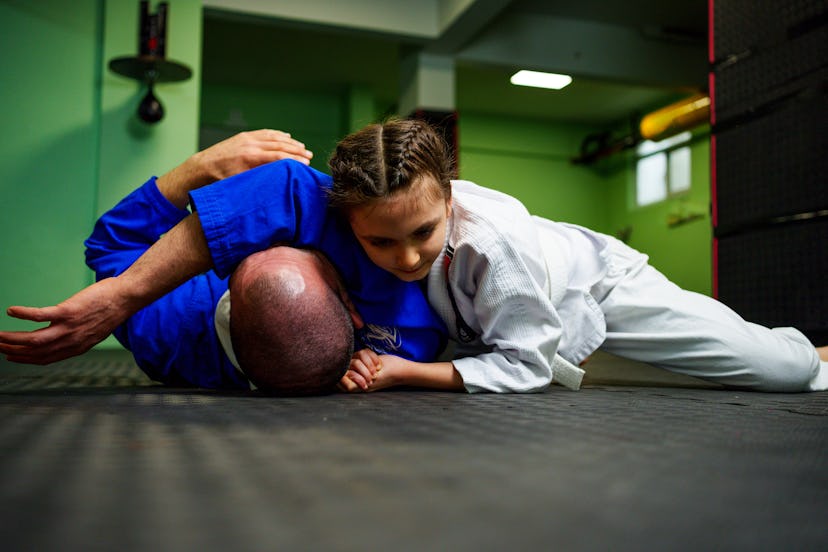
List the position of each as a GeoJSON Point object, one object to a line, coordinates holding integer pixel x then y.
{"type": "Point", "coordinates": [355, 317]}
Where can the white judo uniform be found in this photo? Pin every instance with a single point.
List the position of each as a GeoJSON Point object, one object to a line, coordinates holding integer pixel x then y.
{"type": "Point", "coordinates": [518, 292]}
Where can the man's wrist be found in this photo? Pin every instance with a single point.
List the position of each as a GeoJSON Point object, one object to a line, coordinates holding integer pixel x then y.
{"type": "Point", "coordinates": [126, 296]}
{"type": "Point", "coordinates": [177, 183]}
{"type": "Point", "coordinates": [200, 171]}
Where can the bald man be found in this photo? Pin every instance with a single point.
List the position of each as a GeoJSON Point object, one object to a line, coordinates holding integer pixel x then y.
{"type": "Point", "coordinates": [175, 340]}
{"type": "Point", "coordinates": [284, 322]}
{"type": "Point", "coordinates": [176, 336]}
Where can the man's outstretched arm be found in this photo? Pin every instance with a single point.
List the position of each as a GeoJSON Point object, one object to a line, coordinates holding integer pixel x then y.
{"type": "Point", "coordinates": [88, 317]}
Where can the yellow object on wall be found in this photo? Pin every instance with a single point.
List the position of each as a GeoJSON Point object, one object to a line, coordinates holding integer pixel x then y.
{"type": "Point", "coordinates": [675, 118]}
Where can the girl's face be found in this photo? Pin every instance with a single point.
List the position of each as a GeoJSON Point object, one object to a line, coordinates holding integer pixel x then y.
{"type": "Point", "coordinates": [405, 233]}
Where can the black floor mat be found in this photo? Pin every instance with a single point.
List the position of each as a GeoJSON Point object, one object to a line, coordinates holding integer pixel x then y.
{"type": "Point", "coordinates": [96, 457]}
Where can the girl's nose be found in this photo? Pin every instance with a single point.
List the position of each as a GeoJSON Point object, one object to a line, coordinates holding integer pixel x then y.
{"type": "Point", "coordinates": [408, 258]}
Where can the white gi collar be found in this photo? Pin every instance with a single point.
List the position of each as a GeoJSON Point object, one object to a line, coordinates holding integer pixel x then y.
{"type": "Point", "coordinates": [222, 323]}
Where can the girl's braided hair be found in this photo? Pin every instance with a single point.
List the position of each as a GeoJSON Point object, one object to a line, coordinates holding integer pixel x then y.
{"type": "Point", "coordinates": [383, 159]}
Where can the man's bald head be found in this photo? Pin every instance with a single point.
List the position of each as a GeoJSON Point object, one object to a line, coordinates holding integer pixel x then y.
{"type": "Point", "coordinates": [291, 332]}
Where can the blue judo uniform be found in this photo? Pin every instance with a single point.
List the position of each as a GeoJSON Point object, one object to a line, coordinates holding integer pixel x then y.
{"type": "Point", "coordinates": [174, 340]}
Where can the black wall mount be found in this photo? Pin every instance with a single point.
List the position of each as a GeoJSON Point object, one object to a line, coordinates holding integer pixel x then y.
{"type": "Point", "coordinates": [151, 66]}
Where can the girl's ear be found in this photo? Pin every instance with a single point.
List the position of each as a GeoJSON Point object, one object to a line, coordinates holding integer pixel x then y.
{"type": "Point", "coordinates": [448, 207]}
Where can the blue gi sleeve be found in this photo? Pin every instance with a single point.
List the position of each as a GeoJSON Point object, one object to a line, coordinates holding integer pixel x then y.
{"type": "Point", "coordinates": [284, 201]}
{"type": "Point", "coordinates": [173, 340]}
{"type": "Point", "coordinates": [124, 232]}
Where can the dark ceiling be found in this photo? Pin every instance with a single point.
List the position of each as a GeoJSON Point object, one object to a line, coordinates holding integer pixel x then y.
{"type": "Point", "coordinates": [626, 57]}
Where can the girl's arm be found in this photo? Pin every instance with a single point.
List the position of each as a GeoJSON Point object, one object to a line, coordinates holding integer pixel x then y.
{"type": "Point", "coordinates": [398, 371]}
{"type": "Point", "coordinates": [394, 371]}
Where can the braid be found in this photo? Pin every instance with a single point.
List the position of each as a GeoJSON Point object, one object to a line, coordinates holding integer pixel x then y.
{"type": "Point", "coordinates": [383, 159]}
{"type": "Point", "coordinates": [403, 147]}
{"type": "Point", "coordinates": [383, 172]}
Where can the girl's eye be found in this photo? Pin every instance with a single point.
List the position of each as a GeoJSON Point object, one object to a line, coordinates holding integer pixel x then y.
{"type": "Point", "coordinates": [424, 233]}
{"type": "Point", "coordinates": [380, 243]}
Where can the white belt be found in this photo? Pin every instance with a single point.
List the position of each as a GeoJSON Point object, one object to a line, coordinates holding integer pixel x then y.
{"type": "Point", "coordinates": [567, 374]}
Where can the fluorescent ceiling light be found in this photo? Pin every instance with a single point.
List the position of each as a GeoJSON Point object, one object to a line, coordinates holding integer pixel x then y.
{"type": "Point", "coordinates": [540, 80]}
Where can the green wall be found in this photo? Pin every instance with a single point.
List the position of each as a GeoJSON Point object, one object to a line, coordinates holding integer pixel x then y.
{"type": "Point", "coordinates": [130, 150]}
{"type": "Point", "coordinates": [49, 147]}
{"type": "Point", "coordinates": [71, 144]}
{"type": "Point", "coordinates": [527, 158]}
{"type": "Point", "coordinates": [317, 119]}
{"type": "Point", "coordinates": [531, 160]}
{"type": "Point", "coordinates": [682, 252]}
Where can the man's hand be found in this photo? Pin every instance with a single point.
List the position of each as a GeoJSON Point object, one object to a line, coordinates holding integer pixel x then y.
{"type": "Point", "coordinates": [71, 331]}
{"type": "Point", "coordinates": [89, 316]}
{"type": "Point", "coordinates": [229, 157]}
{"type": "Point", "coordinates": [250, 149]}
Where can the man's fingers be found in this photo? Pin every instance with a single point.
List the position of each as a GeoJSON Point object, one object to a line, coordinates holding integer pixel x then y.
{"type": "Point", "coordinates": [34, 355]}
{"type": "Point", "coordinates": [282, 140]}
{"type": "Point", "coordinates": [42, 346]}
{"type": "Point", "coordinates": [271, 134]}
{"type": "Point", "coordinates": [287, 147]}
{"type": "Point", "coordinates": [295, 151]}
{"type": "Point", "coordinates": [35, 314]}
{"type": "Point", "coordinates": [27, 359]}
{"type": "Point", "coordinates": [305, 160]}
{"type": "Point", "coordinates": [36, 338]}
{"type": "Point", "coordinates": [15, 350]}
{"type": "Point", "coordinates": [45, 354]}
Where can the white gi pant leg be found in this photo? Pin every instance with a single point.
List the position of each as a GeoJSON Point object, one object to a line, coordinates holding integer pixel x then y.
{"type": "Point", "coordinates": [651, 319]}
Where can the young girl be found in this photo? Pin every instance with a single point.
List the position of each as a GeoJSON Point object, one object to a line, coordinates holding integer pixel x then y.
{"type": "Point", "coordinates": [520, 293]}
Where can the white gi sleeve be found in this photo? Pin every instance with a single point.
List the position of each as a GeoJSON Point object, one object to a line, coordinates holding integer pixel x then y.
{"type": "Point", "coordinates": [502, 299]}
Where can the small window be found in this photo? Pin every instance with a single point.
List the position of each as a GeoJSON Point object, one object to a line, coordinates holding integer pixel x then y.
{"type": "Point", "coordinates": [663, 169]}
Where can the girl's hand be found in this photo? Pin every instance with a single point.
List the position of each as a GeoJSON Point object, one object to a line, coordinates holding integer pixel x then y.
{"type": "Point", "coordinates": [363, 370]}
{"type": "Point", "coordinates": [389, 376]}
{"type": "Point", "coordinates": [393, 371]}
{"type": "Point", "coordinates": [387, 373]}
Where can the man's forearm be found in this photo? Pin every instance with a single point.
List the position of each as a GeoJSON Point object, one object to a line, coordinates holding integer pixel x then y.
{"type": "Point", "coordinates": [179, 255]}
{"type": "Point", "coordinates": [86, 318]}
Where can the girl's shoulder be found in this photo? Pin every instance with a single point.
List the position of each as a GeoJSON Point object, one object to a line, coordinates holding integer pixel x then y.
{"type": "Point", "coordinates": [488, 221]}
{"type": "Point", "coordinates": [480, 196]}
{"type": "Point", "coordinates": [488, 207]}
